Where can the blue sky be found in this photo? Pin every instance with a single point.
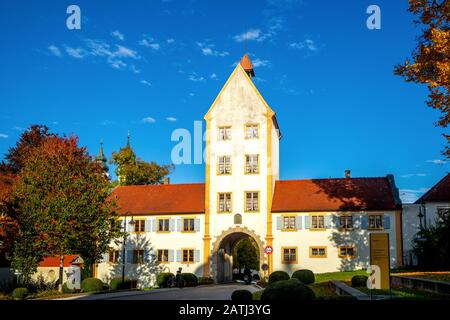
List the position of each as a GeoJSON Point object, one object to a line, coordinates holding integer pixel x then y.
{"type": "Point", "coordinates": [154, 66]}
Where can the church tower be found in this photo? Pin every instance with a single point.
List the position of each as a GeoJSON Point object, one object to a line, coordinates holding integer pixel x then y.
{"type": "Point", "coordinates": [242, 164]}
{"type": "Point", "coordinates": [101, 159]}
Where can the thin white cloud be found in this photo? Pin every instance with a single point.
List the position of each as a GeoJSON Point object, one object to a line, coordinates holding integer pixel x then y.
{"type": "Point", "coordinates": [195, 78]}
{"type": "Point", "coordinates": [171, 119]}
{"type": "Point", "coordinates": [170, 41]}
{"type": "Point", "coordinates": [124, 52]}
{"type": "Point", "coordinates": [308, 44]}
{"type": "Point", "coordinates": [19, 128]}
{"type": "Point", "coordinates": [252, 34]}
{"type": "Point", "coordinates": [77, 53]}
{"type": "Point", "coordinates": [134, 69]}
{"type": "Point", "coordinates": [191, 94]}
{"type": "Point", "coordinates": [55, 50]}
{"type": "Point", "coordinates": [107, 123]}
{"type": "Point", "coordinates": [118, 35]}
{"type": "Point", "coordinates": [150, 42]}
{"type": "Point", "coordinates": [411, 175]}
{"type": "Point", "coordinates": [207, 50]}
{"type": "Point", "coordinates": [411, 195]}
{"type": "Point", "coordinates": [260, 63]}
{"type": "Point", "coordinates": [437, 161]}
{"type": "Point", "coordinates": [148, 120]}
{"type": "Point", "coordinates": [145, 82]}
{"type": "Point", "coordinates": [213, 76]}
{"type": "Point", "coordinates": [3, 136]}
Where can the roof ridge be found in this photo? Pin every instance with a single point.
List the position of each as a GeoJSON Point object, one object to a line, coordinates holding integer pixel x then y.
{"type": "Point", "coordinates": [158, 185]}
{"type": "Point", "coordinates": [433, 188]}
{"type": "Point", "coordinates": [335, 178]}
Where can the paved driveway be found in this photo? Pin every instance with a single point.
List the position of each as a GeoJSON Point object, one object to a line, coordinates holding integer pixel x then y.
{"type": "Point", "coordinates": [212, 292]}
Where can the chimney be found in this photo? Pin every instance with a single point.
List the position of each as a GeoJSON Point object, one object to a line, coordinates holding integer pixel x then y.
{"type": "Point", "coordinates": [347, 174]}
{"type": "Point", "coordinates": [166, 180]}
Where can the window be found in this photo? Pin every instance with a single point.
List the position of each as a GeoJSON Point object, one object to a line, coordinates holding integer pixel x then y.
{"type": "Point", "coordinates": [113, 256]}
{"type": "Point", "coordinates": [289, 255]}
{"type": "Point", "coordinates": [251, 201]}
{"type": "Point", "coordinates": [375, 221]}
{"type": "Point", "coordinates": [251, 131]}
{"type": "Point", "coordinates": [443, 212]}
{"type": "Point", "coordinates": [318, 252]}
{"type": "Point", "coordinates": [188, 255]}
{"type": "Point", "coordinates": [251, 163]}
{"type": "Point", "coordinates": [163, 255]}
{"type": "Point", "coordinates": [347, 252]}
{"type": "Point", "coordinates": [188, 225]}
{"type": "Point", "coordinates": [224, 133]}
{"type": "Point", "coordinates": [224, 204]}
{"type": "Point", "coordinates": [163, 225]}
{"type": "Point", "coordinates": [346, 222]}
{"type": "Point", "coordinates": [138, 256]}
{"type": "Point", "coordinates": [318, 222]}
{"type": "Point", "coordinates": [289, 223]}
{"type": "Point", "coordinates": [139, 225]}
{"type": "Point", "coordinates": [224, 165]}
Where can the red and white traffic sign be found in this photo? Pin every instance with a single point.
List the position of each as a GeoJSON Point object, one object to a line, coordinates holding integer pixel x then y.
{"type": "Point", "coordinates": [268, 250]}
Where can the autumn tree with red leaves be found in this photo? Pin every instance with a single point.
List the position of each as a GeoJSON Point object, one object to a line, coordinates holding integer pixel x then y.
{"type": "Point", "coordinates": [63, 205]}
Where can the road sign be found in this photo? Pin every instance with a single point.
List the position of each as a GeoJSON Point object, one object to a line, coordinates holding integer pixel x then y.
{"type": "Point", "coordinates": [268, 250]}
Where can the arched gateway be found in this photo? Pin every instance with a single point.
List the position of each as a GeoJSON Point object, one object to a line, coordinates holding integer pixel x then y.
{"type": "Point", "coordinates": [221, 255]}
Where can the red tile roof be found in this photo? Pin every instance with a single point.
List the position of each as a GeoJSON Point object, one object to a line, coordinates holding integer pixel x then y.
{"type": "Point", "coordinates": [247, 65]}
{"type": "Point", "coordinates": [161, 199]}
{"type": "Point", "coordinates": [54, 261]}
{"type": "Point", "coordinates": [440, 192]}
{"type": "Point", "coordinates": [352, 194]}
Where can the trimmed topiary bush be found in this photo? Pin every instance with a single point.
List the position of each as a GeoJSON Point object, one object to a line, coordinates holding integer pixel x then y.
{"type": "Point", "coordinates": [359, 281]}
{"type": "Point", "coordinates": [190, 279]}
{"type": "Point", "coordinates": [205, 280]}
{"type": "Point", "coordinates": [163, 278]}
{"type": "Point", "coordinates": [304, 276]}
{"type": "Point", "coordinates": [241, 295]}
{"type": "Point", "coordinates": [65, 289]}
{"type": "Point", "coordinates": [278, 276]}
{"type": "Point", "coordinates": [91, 284]}
{"type": "Point", "coordinates": [20, 293]}
{"type": "Point", "coordinates": [287, 290]}
{"type": "Point", "coordinates": [117, 284]}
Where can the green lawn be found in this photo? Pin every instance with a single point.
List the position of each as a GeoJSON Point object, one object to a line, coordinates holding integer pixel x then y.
{"type": "Point", "coordinates": [405, 294]}
{"type": "Point", "coordinates": [339, 276]}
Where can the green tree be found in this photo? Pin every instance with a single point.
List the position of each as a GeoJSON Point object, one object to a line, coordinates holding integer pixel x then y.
{"type": "Point", "coordinates": [430, 62]}
{"type": "Point", "coordinates": [245, 254]}
{"type": "Point", "coordinates": [63, 206]}
{"type": "Point", "coordinates": [432, 246]}
{"type": "Point", "coordinates": [132, 170]}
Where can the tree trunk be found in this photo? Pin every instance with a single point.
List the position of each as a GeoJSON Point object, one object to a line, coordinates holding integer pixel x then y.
{"type": "Point", "coordinates": [61, 272]}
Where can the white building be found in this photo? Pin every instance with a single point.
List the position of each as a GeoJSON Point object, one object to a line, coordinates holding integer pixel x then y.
{"type": "Point", "coordinates": [423, 214]}
{"type": "Point", "coordinates": [318, 224]}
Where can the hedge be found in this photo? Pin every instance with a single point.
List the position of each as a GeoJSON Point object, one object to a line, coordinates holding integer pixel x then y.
{"type": "Point", "coordinates": [205, 280]}
{"type": "Point", "coordinates": [304, 276]}
{"type": "Point", "coordinates": [241, 295]}
{"type": "Point", "coordinates": [287, 290]}
{"type": "Point", "coordinates": [359, 281]}
{"type": "Point", "coordinates": [91, 284]}
{"type": "Point", "coordinates": [20, 293]}
{"type": "Point", "coordinates": [163, 278]}
{"type": "Point", "coordinates": [117, 284]}
{"type": "Point", "coordinates": [190, 279]}
{"type": "Point", "coordinates": [278, 276]}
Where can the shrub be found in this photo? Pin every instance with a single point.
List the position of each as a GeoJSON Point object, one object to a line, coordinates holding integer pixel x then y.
{"type": "Point", "coordinates": [304, 276]}
{"type": "Point", "coordinates": [359, 281]}
{"type": "Point", "coordinates": [256, 277]}
{"type": "Point", "coordinates": [117, 284]}
{"type": "Point", "coordinates": [190, 279]}
{"type": "Point", "coordinates": [205, 280]}
{"type": "Point", "coordinates": [91, 284]}
{"type": "Point", "coordinates": [241, 295]}
{"type": "Point", "coordinates": [257, 295]}
{"type": "Point", "coordinates": [278, 276]}
{"type": "Point", "coordinates": [287, 290]}
{"type": "Point", "coordinates": [65, 289]}
{"type": "Point", "coordinates": [163, 278]}
{"type": "Point", "coordinates": [20, 293]}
